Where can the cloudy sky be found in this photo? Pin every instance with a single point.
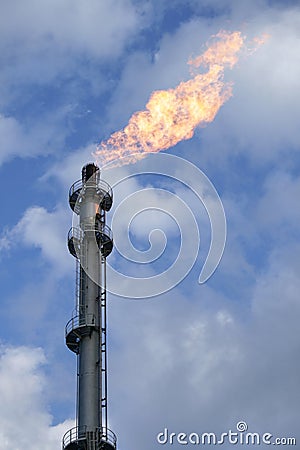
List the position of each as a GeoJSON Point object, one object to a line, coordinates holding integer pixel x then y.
{"type": "Point", "coordinates": [198, 358]}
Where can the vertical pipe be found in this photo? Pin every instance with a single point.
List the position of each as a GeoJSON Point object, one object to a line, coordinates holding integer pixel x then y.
{"type": "Point", "coordinates": [89, 377]}
{"type": "Point", "coordinates": [105, 346]}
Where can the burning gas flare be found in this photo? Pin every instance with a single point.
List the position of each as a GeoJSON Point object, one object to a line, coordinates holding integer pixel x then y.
{"type": "Point", "coordinates": [172, 115]}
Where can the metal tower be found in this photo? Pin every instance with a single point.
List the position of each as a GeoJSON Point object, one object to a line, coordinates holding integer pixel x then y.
{"type": "Point", "coordinates": [90, 243]}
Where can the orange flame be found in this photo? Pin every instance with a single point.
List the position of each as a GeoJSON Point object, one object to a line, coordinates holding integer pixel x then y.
{"type": "Point", "coordinates": [172, 115]}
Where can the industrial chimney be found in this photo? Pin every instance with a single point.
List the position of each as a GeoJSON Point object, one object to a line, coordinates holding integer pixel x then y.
{"type": "Point", "coordinates": [90, 243]}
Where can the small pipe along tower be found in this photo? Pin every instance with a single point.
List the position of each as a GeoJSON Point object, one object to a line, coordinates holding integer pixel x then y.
{"type": "Point", "coordinates": [90, 243]}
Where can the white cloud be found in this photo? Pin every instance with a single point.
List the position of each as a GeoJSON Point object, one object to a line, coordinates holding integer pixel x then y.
{"type": "Point", "coordinates": [44, 230]}
{"type": "Point", "coordinates": [18, 137]}
{"type": "Point", "coordinates": [24, 417]}
{"type": "Point", "coordinates": [11, 137]}
{"type": "Point", "coordinates": [15, 140]}
{"type": "Point", "coordinates": [44, 43]}
{"type": "Point", "coordinates": [96, 28]}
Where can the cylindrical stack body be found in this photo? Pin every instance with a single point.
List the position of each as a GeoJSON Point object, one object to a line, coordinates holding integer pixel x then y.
{"type": "Point", "coordinates": [89, 358]}
{"type": "Point", "coordinates": [90, 243]}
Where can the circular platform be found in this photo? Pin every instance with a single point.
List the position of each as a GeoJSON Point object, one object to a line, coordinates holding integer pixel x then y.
{"type": "Point", "coordinates": [102, 189]}
{"type": "Point", "coordinates": [103, 236]}
{"type": "Point", "coordinates": [76, 328]}
{"type": "Point", "coordinates": [78, 438]}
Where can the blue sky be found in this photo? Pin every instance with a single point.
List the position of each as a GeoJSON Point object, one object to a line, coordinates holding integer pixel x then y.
{"type": "Point", "coordinates": [198, 357]}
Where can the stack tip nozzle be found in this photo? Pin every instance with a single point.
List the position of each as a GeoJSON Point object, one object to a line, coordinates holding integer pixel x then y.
{"type": "Point", "coordinates": [88, 171]}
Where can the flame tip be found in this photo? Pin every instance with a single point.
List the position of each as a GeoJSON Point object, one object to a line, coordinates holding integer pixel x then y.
{"type": "Point", "coordinates": [172, 115]}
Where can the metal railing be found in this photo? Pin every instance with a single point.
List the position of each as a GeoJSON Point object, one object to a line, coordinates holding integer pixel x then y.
{"type": "Point", "coordinates": [97, 228]}
{"type": "Point", "coordinates": [78, 321]}
{"type": "Point", "coordinates": [77, 186]}
{"type": "Point", "coordinates": [77, 233]}
{"type": "Point", "coordinates": [101, 186]}
{"type": "Point", "coordinates": [94, 439]}
{"type": "Point", "coordinates": [101, 233]}
{"type": "Point", "coordinates": [75, 236]}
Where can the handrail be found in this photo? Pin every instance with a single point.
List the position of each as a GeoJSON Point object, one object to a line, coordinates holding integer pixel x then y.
{"type": "Point", "coordinates": [77, 232]}
{"type": "Point", "coordinates": [101, 233]}
{"type": "Point", "coordinates": [73, 435]}
{"type": "Point", "coordinates": [78, 321]}
{"type": "Point", "coordinates": [75, 187]}
{"type": "Point", "coordinates": [101, 186]}
{"type": "Point", "coordinates": [76, 434]}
